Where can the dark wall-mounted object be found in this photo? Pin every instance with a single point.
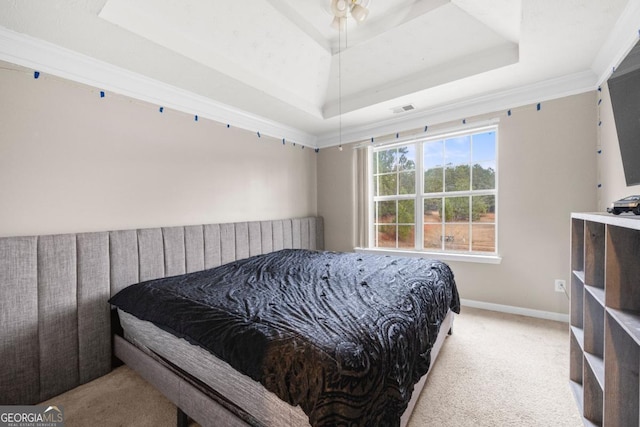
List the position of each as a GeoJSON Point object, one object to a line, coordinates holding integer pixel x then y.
{"type": "Point", "coordinates": [624, 89]}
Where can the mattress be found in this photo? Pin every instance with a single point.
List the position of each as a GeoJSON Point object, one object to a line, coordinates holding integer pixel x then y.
{"type": "Point", "coordinates": [239, 389]}
{"type": "Point", "coordinates": [344, 336]}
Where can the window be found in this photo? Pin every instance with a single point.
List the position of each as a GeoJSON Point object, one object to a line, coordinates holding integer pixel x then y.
{"type": "Point", "coordinates": [437, 194]}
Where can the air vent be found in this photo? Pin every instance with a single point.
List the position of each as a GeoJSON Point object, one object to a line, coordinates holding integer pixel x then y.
{"type": "Point", "coordinates": [403, 109]}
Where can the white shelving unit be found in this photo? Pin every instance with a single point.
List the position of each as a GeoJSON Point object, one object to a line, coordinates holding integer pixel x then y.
{"type": "Point", "coordinates": [605, 318]}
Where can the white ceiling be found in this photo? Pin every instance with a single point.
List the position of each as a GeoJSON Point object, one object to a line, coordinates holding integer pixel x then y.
{"type": "Point", "coordinates": [279, 60]}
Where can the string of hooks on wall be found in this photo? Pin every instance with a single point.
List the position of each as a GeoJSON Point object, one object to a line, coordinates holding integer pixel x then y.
{"type": "Point", "coordinates": [38, 75]}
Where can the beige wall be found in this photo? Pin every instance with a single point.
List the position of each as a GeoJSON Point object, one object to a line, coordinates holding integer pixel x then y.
{"type": "Point", "coordinates": [547, 169]}
{"type": "Point", "coordinates": [71, 161]}
{"type": "Point", "coordinates": [611, 173]}
{"type": "Point", "coordinates": [336, 197]}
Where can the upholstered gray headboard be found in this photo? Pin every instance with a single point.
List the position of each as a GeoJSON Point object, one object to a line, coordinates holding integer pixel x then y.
{"type": "Point", "coordinates": [55, 330]}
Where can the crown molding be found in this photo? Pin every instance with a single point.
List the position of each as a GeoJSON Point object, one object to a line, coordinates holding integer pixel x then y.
{"type": "Point", "coordinates": [30, 52]}
{"type": "Point", "coordinates": [49, 58]}
{"type": "Point", "coordinates": [499, 101]}
{"type": "Point", "coordinates": [621, 40]}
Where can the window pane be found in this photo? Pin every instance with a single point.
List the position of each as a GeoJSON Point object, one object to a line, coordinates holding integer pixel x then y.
{"type": "Point", "coordinates": [433, 236]}
{"type": "Point", "coordinates": [386, 212]}
{"type": "Point", "coordinates": [389, 184]}
{"type": "Point", "coordinates": [407, 182]}
{"type": "Point", "coordinates": [456, 209]}
{"type": "Point", "coordinates": [433, 154]}
{"type": "Point", "coordinates": [433, 180]}
{"type": "Point", "coordinates": [387, 160]}
{"type": "Point", "coordinates": [407, 158]}
{"type": "Point", "coordinates": [483, 237]}
{"type": "Point", "coordinates": [456, 237]}
{"type": "Point", "coordinates": [484, 209]}
{"type": "Point", "coordinates": [484, 176]}
{"type": "Point", "coordinates": [484, 146]}
{"type": "Point", "coordinates": [406, 212]}
{"type": "Point", "coordinates": [406, 236]}
{"type": "Point", "coordinates": [457, 151]}
{"type": "Point", "coordinates": [433, 210]}
{"type": "Point", "coordinates": [457, 178]}
{"type": "Point", "coordinates": [387, 236]}
{"type": "Point", "coordinates": [376, 187]}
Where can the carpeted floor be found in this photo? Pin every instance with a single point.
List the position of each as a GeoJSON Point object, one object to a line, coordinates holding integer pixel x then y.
{"type": "Point", "coordinates": [495, 370]}
{"type": "Point", "coordinates": [500, 370]}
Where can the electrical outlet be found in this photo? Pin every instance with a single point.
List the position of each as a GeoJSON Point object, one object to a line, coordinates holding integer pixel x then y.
{"type": "Point", "coordinates": [560, 285]}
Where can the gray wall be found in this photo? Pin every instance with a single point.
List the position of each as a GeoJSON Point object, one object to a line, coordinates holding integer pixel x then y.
{"type": "Point", "coordinates": [547, 169]}
{"type": "Point", "coordinates": [71, 161]}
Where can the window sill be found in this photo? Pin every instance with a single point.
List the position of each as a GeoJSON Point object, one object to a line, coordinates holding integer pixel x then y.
{"type": "Point", "coordinates": [443, 256]}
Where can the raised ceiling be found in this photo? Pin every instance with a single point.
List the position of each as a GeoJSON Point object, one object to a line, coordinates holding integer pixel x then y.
{"type": "Point", "coordinates": [279, 60]}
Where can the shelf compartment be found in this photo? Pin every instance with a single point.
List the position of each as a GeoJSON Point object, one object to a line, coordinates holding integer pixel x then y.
{"type": "Point", "coordinates": [577, 301]}
{"type": "Point", "coordinates": [596, 364]}
{"type": "Point", "coordinates": [622, 364]}
{"type": "Point", "coordinates": [579, 336]}
{"type": "Point", "coordinates": [593, 322]}
{"type": "Point", "coordinates": [627, 320]}
{"type": "Point", "coordinates": [592, 391]}
{"type": "Point", "coordinates": [577, 245]}
{"type": "Point", "coordinates": [579, 274]}
{"type": "Point", "coordinates": [578, 393]}
{"type": "Point", "coordinates": [596, 293]}
{"type": "Point", "coordinates": [594, 251]}
{"type": "Point", "coordinates": [576, 349]}
{"type": "Point", "coordinates": [623, 268]}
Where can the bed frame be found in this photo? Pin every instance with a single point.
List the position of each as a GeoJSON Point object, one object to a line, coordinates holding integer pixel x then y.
{"type": "Point", "coordinates": [55, 322]}
{"type": "Point", "coordinates": [202, 404]}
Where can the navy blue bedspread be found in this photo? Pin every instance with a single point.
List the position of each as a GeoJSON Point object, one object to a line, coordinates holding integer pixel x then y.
{"type": "Point", "coordinates": [345, 336]}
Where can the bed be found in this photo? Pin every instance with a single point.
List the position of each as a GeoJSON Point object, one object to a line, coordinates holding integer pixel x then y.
{"type": "Point", "coordinates": [332, 338]}
{"type": "Point", "coordinates": [57, 330]}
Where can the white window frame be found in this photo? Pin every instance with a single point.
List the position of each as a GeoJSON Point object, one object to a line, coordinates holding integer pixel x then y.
{"type": "Point", "coordinates": [418, 250]}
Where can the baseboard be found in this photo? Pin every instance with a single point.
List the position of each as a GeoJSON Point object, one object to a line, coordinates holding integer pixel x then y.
{"type": "Point", "coordinates": [549, 315]}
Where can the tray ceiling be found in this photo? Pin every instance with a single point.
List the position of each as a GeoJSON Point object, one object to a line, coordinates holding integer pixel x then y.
{"type": "Point", "coordinates": [280, 60]}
